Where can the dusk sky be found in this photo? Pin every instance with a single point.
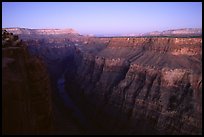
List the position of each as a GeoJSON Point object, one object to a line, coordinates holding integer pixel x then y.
{"type": "Point", "coordinates": [103, 17]}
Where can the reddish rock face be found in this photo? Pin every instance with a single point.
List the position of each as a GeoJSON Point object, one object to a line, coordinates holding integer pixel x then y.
{"type": "Point", "coordinates": [143, 84]}
{"type": "Point", "coordinates": [26, 91]}
{"type": "Point", "coordinates": [131, 85]}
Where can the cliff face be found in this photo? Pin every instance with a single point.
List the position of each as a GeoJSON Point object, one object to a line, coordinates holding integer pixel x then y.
{"type": "Point", "coordinates": [44, 35]}
{"type": "Point", "coordinates": [129, 85]}
{"type": "Point", "coordinates": [40, 31]}
{"type": "Point", "coordinates": [26, 91]}
{"type": "Point", "coordinates": [142, 85]}
{"type": "Point", "coordinates": [177, 32]}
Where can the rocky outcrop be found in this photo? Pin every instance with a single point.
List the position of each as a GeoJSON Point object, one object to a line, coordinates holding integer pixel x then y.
{"type": "Point", "coordinates": [141, 85]}
{"type": "Point", "coordinates": [183, 32]}
{"type": "Point", "coordinates": [26, 91]}
{"type": "Point", "coordinates": [26, 31]}
{"type": "Point", "coordinates": [127, 85]}
{"type": "Point", "coordinates": [177, 32]}
{"type": "Point", "coordinates": [44, 35]}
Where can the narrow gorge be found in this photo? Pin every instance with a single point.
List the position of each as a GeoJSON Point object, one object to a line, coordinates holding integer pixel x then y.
{"type": "Point", "coordinates": [102, 85]}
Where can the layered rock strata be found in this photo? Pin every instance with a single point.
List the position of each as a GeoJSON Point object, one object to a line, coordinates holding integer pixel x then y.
{"type": "Point", "coordinates": [131, 85]}
{"type": "Point", "coordinates": [142, 85]}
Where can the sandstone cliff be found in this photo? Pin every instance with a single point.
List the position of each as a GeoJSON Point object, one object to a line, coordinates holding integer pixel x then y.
{"type": "Point", "coordinates": [130, 85]}
{"type": "Point", "coordinates": [141, 85]}
{"type": "Point", "coordinates": [26, 31]}
{"type": "Point", "coordinates": [26, 91]}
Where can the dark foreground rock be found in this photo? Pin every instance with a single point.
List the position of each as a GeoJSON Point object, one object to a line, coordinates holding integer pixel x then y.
{"type": "Point", "coordinates": [26, 91]}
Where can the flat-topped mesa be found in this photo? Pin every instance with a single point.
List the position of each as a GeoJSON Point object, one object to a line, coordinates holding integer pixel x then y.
{"type": "Point", "coordinates": [188, 46]}
{"type": "Point", "coordinates": [55, 31]}
{"type": "Point", "coordinates": [40, 31]}
{"type": "Point", "coordinates": [125, 42]}
{"type": "Point", "coordinates": [185, 32]}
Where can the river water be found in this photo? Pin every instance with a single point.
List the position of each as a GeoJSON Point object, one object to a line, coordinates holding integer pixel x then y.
{"type": "Point", "coordinates": [69, 104]}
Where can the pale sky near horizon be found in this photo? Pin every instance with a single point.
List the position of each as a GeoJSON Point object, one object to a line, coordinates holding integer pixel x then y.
{"type": "Point", "coordinates": [103, 17]}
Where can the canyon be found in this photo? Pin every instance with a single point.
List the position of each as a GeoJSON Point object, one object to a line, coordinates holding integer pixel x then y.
{"type": "Point", "coordinates": [101, 85]}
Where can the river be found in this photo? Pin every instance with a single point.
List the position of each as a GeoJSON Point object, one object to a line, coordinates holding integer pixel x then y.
{"type": "Point", "coordinates": [69, 104]}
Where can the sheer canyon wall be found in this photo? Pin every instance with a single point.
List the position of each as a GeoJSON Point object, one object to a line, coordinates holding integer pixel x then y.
{"type": "Point", "coordinates": [127, 85]}
{"type": "Point", "coordinates": [26, 91]}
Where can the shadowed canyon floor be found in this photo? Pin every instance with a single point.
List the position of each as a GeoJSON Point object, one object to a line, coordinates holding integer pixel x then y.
{"type": "Point", "coordinates": [115, 85]}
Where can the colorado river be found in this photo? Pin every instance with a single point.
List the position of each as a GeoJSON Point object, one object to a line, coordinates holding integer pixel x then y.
{"type": "Point", "coordinates": [69, 104]}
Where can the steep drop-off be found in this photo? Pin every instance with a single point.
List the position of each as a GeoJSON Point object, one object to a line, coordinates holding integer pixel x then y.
{"type": "Point", "coordinates": [126, 85]}
{"type": "Point", "coordinates": [141, 85]}
{"type": "Point", "coordinates": [26, 90]}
